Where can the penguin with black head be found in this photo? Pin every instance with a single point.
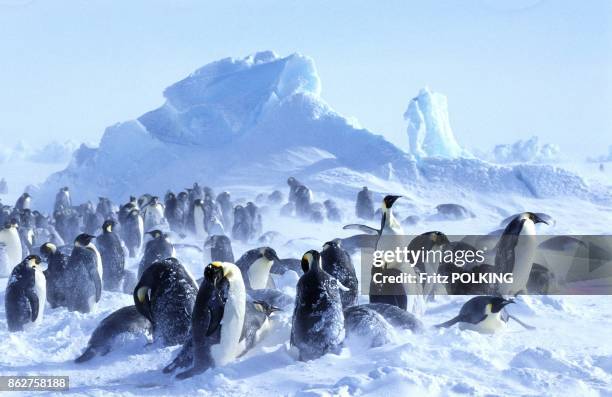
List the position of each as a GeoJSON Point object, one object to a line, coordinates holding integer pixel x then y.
{"type": "Point", "coordinates": [55, 274]}
{"type": "Point", "coordinates": [158, 248]}
{"type": "Point", "coordinates": [113, 256]}
{"type": "Point", "coordinates": [25, 295]}
{"type": "Point", "coordinates": [84, 275]}
{"type": "Point", "coordinates": [318, 320]}
{"type": "Point", "coordinates": [166, 294]}
{"type": "Point", "coordinates": [133, 232]}
{"type": "Point", "coordinates": [484, 314]}
{"type": "Point", "coordinates": [337, 262]}
{"type": "Point", "coordinates": [516, 250]}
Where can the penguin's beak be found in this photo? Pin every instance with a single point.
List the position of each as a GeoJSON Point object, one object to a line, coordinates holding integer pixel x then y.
{"type": "Point", "coordinates": [537, 219]}
{"type": "Point", "coordinates": [271, 255]}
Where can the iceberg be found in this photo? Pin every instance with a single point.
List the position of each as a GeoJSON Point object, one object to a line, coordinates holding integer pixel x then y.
{"type": "Point", "coordinates": [429, 130]}
{"type": "Point", "coordinates": [253, 122]}
{"type": "Point", "coordinates": [527, 151]}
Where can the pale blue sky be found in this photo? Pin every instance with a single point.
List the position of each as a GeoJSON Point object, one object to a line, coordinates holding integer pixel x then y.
{"type": "Point", "coordinates": [68, 69]}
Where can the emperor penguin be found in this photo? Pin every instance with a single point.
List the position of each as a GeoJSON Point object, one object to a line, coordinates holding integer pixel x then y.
{"type": "Point", "coordinates": [173, 213]}
{"type": "Point", "coordinates": [23, 202]}
{"type": "Point", "coordinates": [133, 232]}
{"type": "Point", "coordinates": [9, 237]}
{"type": "Point", "coordinates": [25, 294]}
{"type": "Point", "coordinates": [515, 251]}
{"type": "Point", "coordinates": [318, 320]}
{"type": "Point", "coordinates": [166, 294]}
{"type": "Point", "coordinates": [242, 229]}
{"type": "Point", "coordinates": [85, 275]}
{"type": "Point", "coordinates": [227, 209]}
{"type": "Point", "coordinates": [389, 238]}
{"type": "Point", "coordinates": [255, 266]}
{"type": "Point", "coordinates": [154, 214]}
{"type": "Point", "coordinates": [293, 185]}
{"type": "Point", "coordinates": [484, 314]}
{"type": "Point", "coordinates": [158, 248]}
{"type": "Point", "coordinates": [112, 255]}
{"type": "Point", "coordinates": [124, 322]}
{"type": "Point", "coordinates": [196, 220]}
{"type": "Point", "coordinates": [62, 199]}
{"type": "Point", "coordinates": [55, 274]}
{"type": "Point", "coordinates": [337, 262]}
{"type": "Point", "coordinates": [218, 318]}
{"type": "Point", "coordinates": [364, 207]}
{"type": "Point", "coordinates": [218, 248]}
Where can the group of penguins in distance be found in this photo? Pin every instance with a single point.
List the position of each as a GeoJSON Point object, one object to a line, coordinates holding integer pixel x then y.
{"type": "Point", "coordinates": [220, 316]}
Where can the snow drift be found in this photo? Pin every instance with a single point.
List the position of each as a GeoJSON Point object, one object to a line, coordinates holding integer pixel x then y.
{"type": "Point", "coordinates": [261, 119]}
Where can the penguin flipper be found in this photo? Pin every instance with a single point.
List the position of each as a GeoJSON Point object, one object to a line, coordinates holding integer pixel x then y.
{"type": "Point", "coordinates": [363, 228]}
{"type": "Point", "coordinates": [526, 326]}
{"type": "Point", "coordinates": [450, 322]}
{"type": "Point", "coordinates": [34, 305]}
{"type": "Point", "coordinates": [87, 355]}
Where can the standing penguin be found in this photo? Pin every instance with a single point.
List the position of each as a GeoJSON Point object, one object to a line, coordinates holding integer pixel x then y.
{"type": "Point", "coordinates": [165, 294]}
{"type": "Point", "coordinates": [364, 208]}
{"type": "Point", "coordinates": [318, 320]}
{"type": "Point", "coordinates": [25, 294]}
{"type": "Point", "coordinates": [408, 297]}
{"type": "Point", "coordinates": [133, 232]}
{"type": "Point", "coordinates": [23, 202]}
{"type": "Point", "coordinates": [62, 199]}
{"type": "Point", "coordinates": [196, 219]}
{"type": "Point", "coordinates": [218, 319]}
{"type": "Point", "coordinates": [173, 213]}
{"type": "Point", "coordinates": [113, 257]}
{"type": "Point", "coordinates": [156, 249]}
{"type": "Point", "coordinates": [55, 274]}
{"type": "Point", "coordinates": [337, 262]}
{"type": "Point", "coordinates": [84, 276]}
{"type": "Point", "coordinates": [303, 201]}
{"type": "Point", "coordinates": [225, 204]}
{"type": "Point", "coordinates": [218, 249]}
{"type": "Point", "coordinates": [241, 230]}
{"type": "Point", "coordinates": [515, 251]}
{"type": "Point", "coordinates": [255, 266]}
{"type": "Point", "coordinates": [294, 184]}
{"type": "Point", "coordinates": [154, 214]}
{"type": "Point", "coordinates": [9, 238]}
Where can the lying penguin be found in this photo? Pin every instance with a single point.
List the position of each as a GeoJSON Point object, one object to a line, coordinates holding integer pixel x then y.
{"type": "Point", "coordinates": [485, 314]}
{"type": "Point", "coordinates": [223, 325]}
{"type": "Point", "coordinates": [126, 321]}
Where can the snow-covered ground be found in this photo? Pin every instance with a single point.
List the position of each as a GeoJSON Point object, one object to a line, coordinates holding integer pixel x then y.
{"type": "Point", "coordinates": [570, 352]}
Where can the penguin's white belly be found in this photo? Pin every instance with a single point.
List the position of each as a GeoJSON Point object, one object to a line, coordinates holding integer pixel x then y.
{"type": "Point", "coordinates": [141, 231]}
{"type": "Point", "coordinates": [40, 284]}
{"type": "Point", "coordinates": [11, 240]}
{"type": "Point", "coordinates": [524, 256]}
{"type": "Point", "coordinates": [259, 272]}
{"type": "Point", "coordinates": [491, 324]}
{"type": "Point", "coordinates": [198, 218]}
{"type": "Point", "coordinates": [230, 346]}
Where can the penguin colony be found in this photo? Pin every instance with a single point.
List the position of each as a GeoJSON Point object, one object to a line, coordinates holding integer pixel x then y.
{"type": "Point", "coordinates": [220, 316]}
